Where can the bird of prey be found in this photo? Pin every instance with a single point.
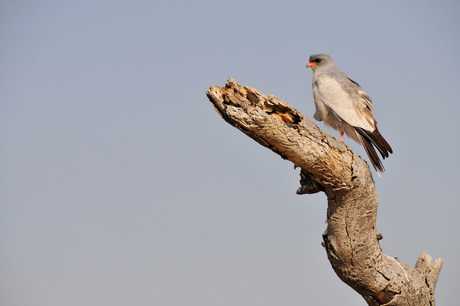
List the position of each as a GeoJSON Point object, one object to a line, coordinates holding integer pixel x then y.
{"type": "Point", "coordinates": [342, 104]}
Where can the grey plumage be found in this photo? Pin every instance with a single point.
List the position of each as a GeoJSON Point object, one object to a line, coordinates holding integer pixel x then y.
{"type": "Point", "coordinates": [342, 104]}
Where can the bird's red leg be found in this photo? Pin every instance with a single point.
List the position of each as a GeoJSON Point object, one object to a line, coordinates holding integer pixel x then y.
{"type": "Point", "coordinates": [341, 135]}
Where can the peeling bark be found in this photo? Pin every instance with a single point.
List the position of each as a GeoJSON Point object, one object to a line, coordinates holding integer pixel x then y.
{"type": "Point", "coordinates": [329, 165]}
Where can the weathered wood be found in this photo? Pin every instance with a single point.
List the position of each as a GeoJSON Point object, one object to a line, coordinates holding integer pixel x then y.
{"type": "Point", "coordinates": [351, 239]}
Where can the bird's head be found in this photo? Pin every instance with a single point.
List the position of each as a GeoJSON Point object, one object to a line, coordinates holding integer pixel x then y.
{"type": "Point", "coordinates": [319, 60]}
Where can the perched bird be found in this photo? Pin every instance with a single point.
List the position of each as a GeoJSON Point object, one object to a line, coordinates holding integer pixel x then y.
{"type": "Point", "coordinates": [342, 104]}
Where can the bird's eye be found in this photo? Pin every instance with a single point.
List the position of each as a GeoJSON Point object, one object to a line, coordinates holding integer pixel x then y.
{"type": "Point", "coordinates": [317, 60]}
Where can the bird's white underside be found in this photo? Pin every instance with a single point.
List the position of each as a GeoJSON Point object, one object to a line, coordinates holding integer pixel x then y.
{"type": "Point", "coordinates": [340, 103]}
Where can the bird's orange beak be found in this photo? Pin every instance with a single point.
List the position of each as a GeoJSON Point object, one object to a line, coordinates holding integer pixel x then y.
{"type": "Point", "coordinates": [311, 64]}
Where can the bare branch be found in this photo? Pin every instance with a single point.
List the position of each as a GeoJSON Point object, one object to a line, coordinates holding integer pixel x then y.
{"type": "Point", "coordinates": [351, 239]}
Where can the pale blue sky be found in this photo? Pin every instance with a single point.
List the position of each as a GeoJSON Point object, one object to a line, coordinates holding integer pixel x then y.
{"type": "Point", "coordinates": [120, 185]}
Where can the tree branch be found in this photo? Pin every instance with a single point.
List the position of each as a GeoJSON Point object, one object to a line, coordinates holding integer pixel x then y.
{"type": "Point", "coordinates": [329, 165]}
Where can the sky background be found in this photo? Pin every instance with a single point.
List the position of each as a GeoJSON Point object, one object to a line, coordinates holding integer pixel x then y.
{"type": "Point", "coordinates": [120, 185]}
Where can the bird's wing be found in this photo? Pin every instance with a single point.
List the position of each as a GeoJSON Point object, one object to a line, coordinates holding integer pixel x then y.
{"type": "Point", "coordinates": [352, 87]}
{"type": "Point", "coordinates": [346, 100]}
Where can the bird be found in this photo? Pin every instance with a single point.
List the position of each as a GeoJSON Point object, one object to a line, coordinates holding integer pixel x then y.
{"type": "Point", "coordinates": [343, 105]}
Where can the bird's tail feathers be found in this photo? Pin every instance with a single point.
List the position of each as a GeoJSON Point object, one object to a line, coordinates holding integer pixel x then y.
{"type": "Point", "coordinates": [372, 154]}
{"type": "Point", "coordinates": [371, 140]}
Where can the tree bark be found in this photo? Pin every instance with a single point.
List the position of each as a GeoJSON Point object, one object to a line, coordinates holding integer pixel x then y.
{"type": "Point", "coordinates": [351, 240]}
